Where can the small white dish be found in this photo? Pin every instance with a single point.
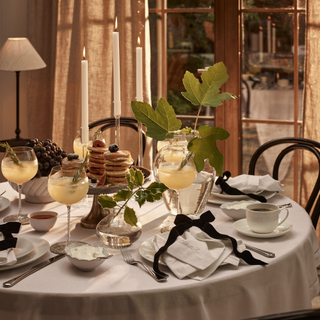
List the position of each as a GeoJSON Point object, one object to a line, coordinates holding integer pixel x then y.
{"type": "Point", "coordinates": [92, 259]}
{"type": "Point", "coordinates": [42, 221]}
{"type": "Point", "coordinates": [236, 209]}
{"type": "Point", "coordinates": [23, 247]}
{"type": "Point", "coordinates": [242, 227]}
{"type": "Point", "coordinates": [4, 203]}
{"type": "Point", "coordinates": [40, 248]}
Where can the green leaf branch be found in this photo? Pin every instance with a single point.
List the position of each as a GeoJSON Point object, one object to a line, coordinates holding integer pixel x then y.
{"type": "Point", "coordinates": [162, 121]}
{"type": "Point", "coordinates": [136, 190]}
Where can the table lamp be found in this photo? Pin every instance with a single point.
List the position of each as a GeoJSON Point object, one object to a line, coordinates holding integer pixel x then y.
{"type": "Point", "coordinates": [18, 54]}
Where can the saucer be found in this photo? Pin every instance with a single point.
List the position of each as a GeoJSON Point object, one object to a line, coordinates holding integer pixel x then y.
{"type": "Point", "coordinates": [242, 227]}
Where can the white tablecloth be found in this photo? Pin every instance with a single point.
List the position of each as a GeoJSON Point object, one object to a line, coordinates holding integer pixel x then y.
{"type": "Point", "coordinates": [116, 290]}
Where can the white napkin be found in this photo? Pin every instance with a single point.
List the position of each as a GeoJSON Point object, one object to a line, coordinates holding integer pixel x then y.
{"type": "Point", "coordinates": [248, 183]}
{"type": "Point", "coordinates": [196, 255]}
{"type": "Point", "coordinates": [7, 257]}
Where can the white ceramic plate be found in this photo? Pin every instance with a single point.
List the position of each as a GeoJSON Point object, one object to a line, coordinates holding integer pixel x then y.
{"type": "Point", "coordinates": [4, 203]}
{"type": "Point", "coordinates": [40, 247]}
{"type": "Point", "coordinates": [23, 247]}
{"type": "Point", "coordinates": [218, 198]}
{"type": "Point", "coordinates": [242, 227]}
{"type": "Point", "coordinates": [147, 250]}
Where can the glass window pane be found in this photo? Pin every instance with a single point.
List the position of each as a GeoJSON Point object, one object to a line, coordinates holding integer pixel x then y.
{"type": "Point", "coordinates": [189, 47]}
{"type": "Point", "coordinates": [154, 4]}
{"type": "Point", "coordinates": [267, 66]}
{"type": "Point", "coordinates": [257, 134]}
{"type": "Point", "coordinates": [250, 4]}
{"type": "Point", "coordinates": [190, 3]}
{"type": "Point", "coordinates": [302, 4]}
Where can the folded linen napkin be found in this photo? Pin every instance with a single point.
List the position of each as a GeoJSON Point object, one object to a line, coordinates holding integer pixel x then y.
{"type": "Point", "coordinates": [8, 242]}
{"type": "Point", "coordinates": [252, 184]}
{"type": "Point", "coordinates": [7, 257]}
{"type": "Point", "coordinates": [183, 223]}
{"type": "Point", "coordinates": [196, 255]}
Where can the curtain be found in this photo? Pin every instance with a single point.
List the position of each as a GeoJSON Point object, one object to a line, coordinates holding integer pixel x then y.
{"type": "Point", "coordinates": [311, 129]}
{"type": "Point", "coordinates": [59, 30]}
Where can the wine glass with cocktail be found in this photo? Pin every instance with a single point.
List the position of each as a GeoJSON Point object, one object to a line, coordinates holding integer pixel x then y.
{"type": "Point", "coordinates": [174, 167]}
{"type": "Point", "coordinates": [19, 165]}
{"type": "Point", "coordinates": [67, 187]}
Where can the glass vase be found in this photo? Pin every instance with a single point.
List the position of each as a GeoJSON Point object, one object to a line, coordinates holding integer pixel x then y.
{"type": "Point", "coordinates": [114, 232]}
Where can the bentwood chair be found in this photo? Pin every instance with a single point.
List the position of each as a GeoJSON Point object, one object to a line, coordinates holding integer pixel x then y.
{"type": "Point", "coordinates": [292, 144]}
{"type": "Point", "coordinates": [295, 315]}
{"type": "Point", "coordinates": [129, 122]}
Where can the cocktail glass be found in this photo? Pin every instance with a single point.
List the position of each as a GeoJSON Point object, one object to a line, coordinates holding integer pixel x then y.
{"type": "Point", "coordinates": [175, 168]}
{"type": "Point", "coordinates": [19, 172]}
{"type": "Point", "coordinates": [64, 189]}
{"type": "Point", "coordinates": [81, 149]}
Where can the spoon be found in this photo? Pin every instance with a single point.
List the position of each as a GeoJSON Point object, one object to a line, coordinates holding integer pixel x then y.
{"type": "Point", "coordinates": [265, 253]}
{"type": "Point", "coordinates": [286, 205]}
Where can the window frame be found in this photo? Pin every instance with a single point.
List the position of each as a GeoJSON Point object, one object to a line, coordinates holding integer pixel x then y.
{"type": "Point", "coordinates": [228, 48]}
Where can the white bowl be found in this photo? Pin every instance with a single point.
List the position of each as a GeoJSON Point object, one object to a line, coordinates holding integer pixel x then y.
{"type": "Point", "coordinates": [236, 209]}
{"type": "Point", "coordinates": [90, 258]}
{"type": "Point", "coordinates": [35, 190]}
{"type": "Point", "coordinates": [43, 222]}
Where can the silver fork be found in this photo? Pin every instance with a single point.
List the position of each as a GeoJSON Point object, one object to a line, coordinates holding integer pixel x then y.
{"type": "Point", "coordinates": [129, 260]}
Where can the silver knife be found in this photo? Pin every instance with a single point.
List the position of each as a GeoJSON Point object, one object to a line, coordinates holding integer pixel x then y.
{"type": "Point", "coordinates": [12, 282]}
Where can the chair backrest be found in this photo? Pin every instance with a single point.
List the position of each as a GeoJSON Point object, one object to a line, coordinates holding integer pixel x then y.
{"type": "Point", "coordinates": [294, 315]}
{"type": "Point", "coordinates": [129, 122]}
{"type": "Point", "coordinates": [294, 144]}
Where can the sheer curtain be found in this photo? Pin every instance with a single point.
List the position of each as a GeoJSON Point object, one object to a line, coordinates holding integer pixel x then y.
{"type": "Point", "coordinates": [311, 127]}
{"type": "Point", "coordinates": [59, 31]}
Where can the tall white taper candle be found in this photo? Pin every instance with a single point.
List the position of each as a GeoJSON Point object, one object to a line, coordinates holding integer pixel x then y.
{"type": "Point", "coordinates": [84, 100]}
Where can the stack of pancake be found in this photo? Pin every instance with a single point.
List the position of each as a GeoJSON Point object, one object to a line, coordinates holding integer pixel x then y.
{"type": "Point", "coordinates": [96, 161]}
{"type": "Point", "coordinates": [69, 167]}
{"type": "Point", "coordinates": [116, 166]}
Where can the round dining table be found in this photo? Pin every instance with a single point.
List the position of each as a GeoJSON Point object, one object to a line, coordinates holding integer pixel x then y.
{"type": "Point", "coordinates": [117, 291]}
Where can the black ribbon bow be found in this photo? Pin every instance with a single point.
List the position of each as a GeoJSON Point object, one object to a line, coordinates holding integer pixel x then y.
{"type": "Point", "coordinates": [233, 191]}
{"type": "Point", "coordinates": [7, 230]}
{"type": "Point", "coordinates": [183, 223]}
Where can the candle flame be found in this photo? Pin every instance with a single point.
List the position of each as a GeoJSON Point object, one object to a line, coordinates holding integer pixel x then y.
{"type": "Point", "coordinates": [260, 28]}
{"type": "Point", "coordinates": [138, 41]}
{"type": "Point", "coordinates": [269, 18]}
{"type": "Point", "coordinates": [84, 53]}
{"type": "Point", "coordinates": [273, 24]}
{"type": "Point", "coordinates": [116, 25]}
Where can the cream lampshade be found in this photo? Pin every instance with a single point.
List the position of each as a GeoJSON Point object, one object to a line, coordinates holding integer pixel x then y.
{"type": "Point", "coordinates": [18, 54]}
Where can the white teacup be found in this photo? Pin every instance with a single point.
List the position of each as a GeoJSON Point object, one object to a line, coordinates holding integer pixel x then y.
{"type": "Point", "coordinates": [264, 217]}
